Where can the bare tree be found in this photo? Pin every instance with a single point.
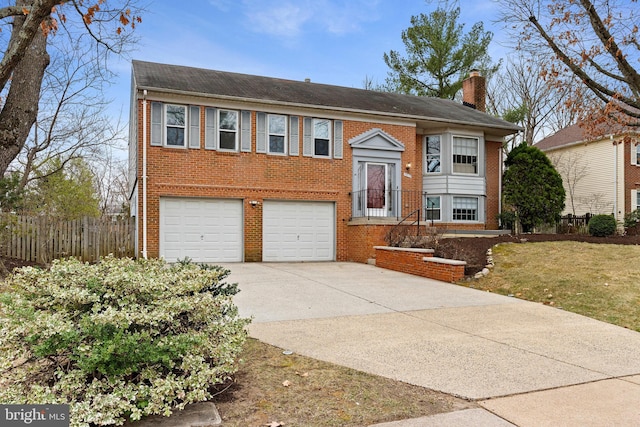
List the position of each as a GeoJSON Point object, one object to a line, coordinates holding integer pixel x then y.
{"type": "Point", "coordinates": [592, 42]}
{"type": "Point", "coordinates": [72, 120]}
{"type": "Point", "coordinates": [22, 68]}
{"type": "Point", "coordinates": [519, 95]}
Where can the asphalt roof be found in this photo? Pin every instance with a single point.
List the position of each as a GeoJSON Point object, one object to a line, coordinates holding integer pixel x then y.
{"type": "Point", "coordinates": [198, 81]}
{"type": "Point", "coordinates": [568, 135]}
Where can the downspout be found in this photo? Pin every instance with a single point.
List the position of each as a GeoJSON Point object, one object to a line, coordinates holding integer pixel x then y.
{"type": "Point", "coordinates": [144, 174]}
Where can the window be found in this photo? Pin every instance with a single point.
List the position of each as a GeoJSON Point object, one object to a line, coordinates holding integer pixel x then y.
{"type": "Point", "coordinates": [433, 154]}
{"type": "Point", "coordinates": [465, 208]}
{"type": "Point", "coordinates": [432, 208]}
{"type": "Point", "coordinates": [277, 134]}
{"type": "Point", "coordinates": [321, 137]}
{"type": "Point", "coordinates": [228, 130]}
{"type": "Point", "coordinates": [637, 155]}
{"type": "Point", "coordinates": [465, 155]}
{"type": "Point", "coordinates": [175, 122]}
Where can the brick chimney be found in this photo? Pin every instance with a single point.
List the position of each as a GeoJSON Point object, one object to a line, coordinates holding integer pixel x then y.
{"type": "Point", "coordinates": [474, 92]}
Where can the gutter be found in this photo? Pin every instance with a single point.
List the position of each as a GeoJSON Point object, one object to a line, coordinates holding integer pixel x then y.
{"type": "Point", "coordinates": [512, 129]}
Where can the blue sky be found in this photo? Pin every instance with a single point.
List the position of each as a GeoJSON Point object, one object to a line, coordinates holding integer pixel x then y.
{"type": "Point", "coordinates": [329, 41]}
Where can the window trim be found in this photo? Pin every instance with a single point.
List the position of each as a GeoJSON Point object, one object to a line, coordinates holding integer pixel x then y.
{"type": "Point", "coordinates": [285, 135]}
{"type": "Point", "coordinates": [236, 132]}
{"type": "Point", "coordinates": [166, 126]}
{"type": "Point", "coordinates": [427, 209]}
{"type": "Point", "coordinates": [477, 209]}
{"type": "Point", "coordinates": [329, 140]}
{"type": "Point", "coordinates": [477, 163]}
{"type": "Point", "coordinates": [427, 156]}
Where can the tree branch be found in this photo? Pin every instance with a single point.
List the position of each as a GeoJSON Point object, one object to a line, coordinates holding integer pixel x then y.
{"type": "Point", "coordinates": [602, 92]}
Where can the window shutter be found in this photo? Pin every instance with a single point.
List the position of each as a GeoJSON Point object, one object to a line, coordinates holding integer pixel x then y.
{"type": "Point", "coordinates": [156, 123]}
{"type": "Point", "coordinates": [261, 132]}
{"type": "Point", "coordinates": [294, 137]}
{"type": "Point", "coordinates": [210, 133]}
{"type": "Point", "coordinates": [245, 134]}
{"type": "Point", "coordinates": [307, 137]}
{"type": "Point", "coordinates": [634, 154]}
{"type": "Point", "coordinates": [634, 200]}
{"type": "Point", "coordinates": [194, 127]}
{"type": "Point", "coordinates": [337, 139]}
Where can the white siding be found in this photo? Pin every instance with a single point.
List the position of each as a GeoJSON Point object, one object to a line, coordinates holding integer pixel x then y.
{"type": "Point", "coordinates": [594, 164]}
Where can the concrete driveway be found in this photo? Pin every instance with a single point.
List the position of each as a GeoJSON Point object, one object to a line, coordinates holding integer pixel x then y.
{"type": "Point", "coordinates": [526, 363]}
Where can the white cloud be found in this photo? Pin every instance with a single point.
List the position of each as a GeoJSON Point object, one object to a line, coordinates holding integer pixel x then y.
{"type": "Point", "coordinates": [291, 19]}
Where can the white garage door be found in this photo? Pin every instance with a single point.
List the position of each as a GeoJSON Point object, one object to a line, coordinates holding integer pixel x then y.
{"type": "Point", "coordinates": [298, 231]}
{"type": "Point", "coordinates": [205, 230]}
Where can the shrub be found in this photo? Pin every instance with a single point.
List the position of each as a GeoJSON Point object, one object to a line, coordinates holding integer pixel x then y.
{"type": "Point", "coordinates": [631, 219]}
{"type": "Point", "coordinates": [602, 225]}
{"type": "Point", "coordinates": [117, 340]}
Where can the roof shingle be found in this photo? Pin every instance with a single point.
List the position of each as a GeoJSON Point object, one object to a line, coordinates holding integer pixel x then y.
{"type": "Point", "coordinates": [198, 81]}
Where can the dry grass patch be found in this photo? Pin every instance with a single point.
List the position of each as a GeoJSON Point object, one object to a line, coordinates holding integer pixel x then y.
{"type": "Point", "coordinates": [272, 387]}
{"type": "Point", "coordinates": [600, 281]}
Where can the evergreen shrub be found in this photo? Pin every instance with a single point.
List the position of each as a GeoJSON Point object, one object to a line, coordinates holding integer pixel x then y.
{"type": "Point", "coordinates": [117, 340]}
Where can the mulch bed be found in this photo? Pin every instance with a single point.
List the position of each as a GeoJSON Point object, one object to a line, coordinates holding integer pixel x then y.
{"type": "Point", "coordinates": [473, 250]}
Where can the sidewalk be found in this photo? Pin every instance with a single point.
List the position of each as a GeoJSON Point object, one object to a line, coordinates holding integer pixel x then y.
{"type": "Point", "coordinates": [525, 363]}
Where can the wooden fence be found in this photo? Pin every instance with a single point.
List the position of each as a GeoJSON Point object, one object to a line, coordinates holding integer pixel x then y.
{"type": "Point", "coordinates": [42, 239]}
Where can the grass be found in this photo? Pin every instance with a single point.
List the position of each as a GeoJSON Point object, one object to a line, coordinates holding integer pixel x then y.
{"type": "Point", "coordinates": [319, 394]}
{"type": "Point", "coordinates": [596, 280]}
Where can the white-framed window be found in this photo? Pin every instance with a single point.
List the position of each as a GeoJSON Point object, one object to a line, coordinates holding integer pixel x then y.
{"type": "Point", "coordinates": [174, 125]}
{"type": "Point", "coordinates": [465, 208]}
{"type": "Point", "coordinates": [277, 129]}
{"type": "Point", "coordinates": [636, 154]}
{"type": "Point", "coordinates": [465, 155]}
{"type": "Point", "coordinates": [228, 130]}
{"type": "Point", "coordinates": [175, 120]}
{"type": "Point", "coordinates": [321, 138]}
{"type": "Point", "coordinates": [432, 208]}
{"type": "Point", "coordinates": [433, 150]}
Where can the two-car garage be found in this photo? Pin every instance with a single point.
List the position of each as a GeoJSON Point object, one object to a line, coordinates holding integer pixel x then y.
{"type": "Point", "coordinates": [212, 230]}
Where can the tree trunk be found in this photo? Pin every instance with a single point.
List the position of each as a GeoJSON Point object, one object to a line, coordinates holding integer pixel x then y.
{"type": "Point", "coordinates": [21, 107]}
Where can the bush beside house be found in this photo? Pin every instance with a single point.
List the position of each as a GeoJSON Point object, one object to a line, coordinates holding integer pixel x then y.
{"type": "Point", "coordinates": [117, 340]}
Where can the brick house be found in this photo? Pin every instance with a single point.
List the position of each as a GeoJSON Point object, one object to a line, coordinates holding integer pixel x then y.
{"type": "Point", "coordinates": [607, 169]}
{"type": "Point", "coordinates": [229, 167]}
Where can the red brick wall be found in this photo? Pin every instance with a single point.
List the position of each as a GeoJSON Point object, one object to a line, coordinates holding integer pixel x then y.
{"type": "Point", "coordinates": [407, 261]}
{"type": "Point", "coordinates": [252, 176]}
{"type": "Point", "coordinates": [631, 172]}
{"type": "Point", "coordinates": [494, 160]}
{"type": "Point", "coordinates": [362, 239]}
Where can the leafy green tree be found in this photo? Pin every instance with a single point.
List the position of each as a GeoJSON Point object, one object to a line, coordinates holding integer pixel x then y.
{"type": "Point", "coordinates": [66, 193]}
{"type": "Point", "coordinates": [439, 55]}
{"type": "Point", "coordinates": [532, 187]}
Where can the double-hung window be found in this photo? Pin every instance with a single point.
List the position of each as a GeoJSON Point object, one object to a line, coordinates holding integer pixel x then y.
{"type": "Point", "coordinates": [175, 119]}
{"type": "Point", "coordinates": [228, 130]}
{"type": "Point", "coordinates": [321, 137]}
{"type": "Point", "coordinates": [433, 154]}
{"type": "Point", "coordinates": [465, 208]}
{"type": "Point", "coordinates": [432, 208]}
{"type": "Point", "coordinates": [637, 155]}
{"type": "Point", "coordinates": [277, 128]}
{"type": "Point", "coordinates": [465, 155]}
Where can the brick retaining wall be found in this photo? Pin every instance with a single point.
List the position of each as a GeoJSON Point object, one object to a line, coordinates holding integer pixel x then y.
{"type": "Point", "coordinates": [420, 262]}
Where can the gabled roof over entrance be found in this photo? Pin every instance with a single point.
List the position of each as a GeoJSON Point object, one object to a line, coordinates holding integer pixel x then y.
{"type": "Point", "coordinates": [376, 139]}
{"type": "Point", "coordinates": [234, 86]}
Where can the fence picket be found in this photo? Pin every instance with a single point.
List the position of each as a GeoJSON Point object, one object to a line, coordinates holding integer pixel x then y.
{"type": "Point", "coordinates": [42, 239]}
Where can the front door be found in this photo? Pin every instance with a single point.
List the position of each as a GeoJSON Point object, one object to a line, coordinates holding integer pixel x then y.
{"type": "Point", "coordinates": [377, 186]}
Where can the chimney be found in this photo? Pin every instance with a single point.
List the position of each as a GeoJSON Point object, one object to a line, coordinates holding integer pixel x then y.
{"type": "Point", "coordinates": [474, 92]}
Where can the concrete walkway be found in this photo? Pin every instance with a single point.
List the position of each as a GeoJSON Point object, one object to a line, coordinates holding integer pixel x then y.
{"type": "Point", "coordinates": [525, 363]}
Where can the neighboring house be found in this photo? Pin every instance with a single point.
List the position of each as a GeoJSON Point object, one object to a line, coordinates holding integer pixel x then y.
{"type": "Point", "coordinates": [230, 167]}
{"type": "Point", "coordinates": [601, 175]}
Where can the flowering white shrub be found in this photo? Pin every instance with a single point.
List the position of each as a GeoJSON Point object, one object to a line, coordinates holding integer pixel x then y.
{"type": "Point", "coordinates": [117, 340]}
